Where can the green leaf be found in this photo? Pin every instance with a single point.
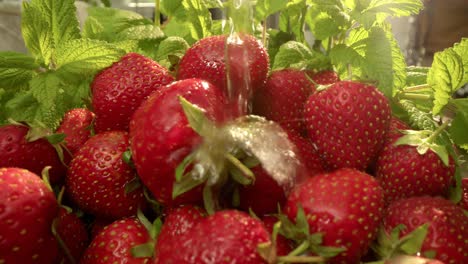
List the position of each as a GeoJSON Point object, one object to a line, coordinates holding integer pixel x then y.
{"type": "Point", "coordinates": [384, 61]}
{"type": "Point", "coordinates": [461, 49]}
{"type": "Point", "coordinates": [292, 19]}
{"type": "Point", "coordinates": [172, 46]}
{"type": "Point", "coordinates": [265, 8]}
{"type": "Point", "coordinates": [22, 107]}
{"type": "Point", "coordinates": [416, 75]}
{"type": "Point", "coordinates": [376, 11]}
{"type": "Point", "coordinates": [418, 119]}
{"type": "Point", "coordinates": [85, 57]}
{"type": "Point", "coordinates": [61, 17]}
{"type": "Point", "coordinates": [445, 77]}
{"type": "Point", "coordinates": [180, 169]}
{"type": "Point", "coordinates": [459, 127]}
{"type": "Point", "coordinates": [327, 18]}
{"type": "Point", "coordinates": [297, 55]}
{"type": "Point", "coordinates": [276, 39]}
{"type": "Point", "coordinates": [145, 250]}
{"type": "Point", "coordinates": [36, 33]}
{"type": "Point", "coordinates": [16, 69]}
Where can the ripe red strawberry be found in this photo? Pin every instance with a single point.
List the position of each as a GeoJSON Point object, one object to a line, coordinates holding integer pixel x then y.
{"type": "Point", "coordinates": [313, 163]}
{"type": "Point", "coordinates": [121, 88]}
{"type": "Point", "coordinates": [464, 201]}
{"type": "Point", "coordinates": [161, 137]}
{"type": "Point", "coordinates": [226, 237]}
{"type": "Point", "coordinates": [348, 122]}
{"type": "Point", "coordinates": [72, 231]}
{"type": "Point", "coordinates": [76, 125]}
{"type": "Point", "coordinates": [283, 97]}
{"type": "Point", "coordinates": [114, 243]}
{"type": "Point", "coordinates": [17, 151]}
{"type": "Point", "coordinates": [448, 225]}
{"type": "Point", "coordinates": [345, 205]}
{"type": "Point", "coordinates": [248, 64]}
{"type": "Point", "coordinates": [403, 172]}
{"type": "Point", "coordinates": [97, 225]}
{"type": "Point", "coordinates": [325, 77]}
{"type": "Point", "coordinates": [178, 221]}
{"type": "Point", "coordinates": [27, 209]}
{"type": "Point", "coordinates": [97, 177]}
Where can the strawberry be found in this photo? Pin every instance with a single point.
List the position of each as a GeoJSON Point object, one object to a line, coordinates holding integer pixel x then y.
{"type": "Point", "coordinates": [97, 177]}
{"type": "Point", "coordinates": [345, 205]}
{"type": "Point", "coordinates": [178, 221]}
{"type": "Point", "coordinates": [228, 236]}
{"type": "Point", "coordinates": [115, 242]}
{"type": "Point", "coordinates": [72, 231]}
{"type": "Point", "coordinates": [283, 97]}
{"type": "Point", "coordinates": [247, 59]}
{"type": "Point", "coordinates": [348, 122]}
{"type": "Point", "coordinates": [403, 172]}
{"type": "Point", "coordinates": [118, 90]}
{"type": "Point", "coordinates": [27, 209]}
{"type": "Point", "coordinates": [464, 201]}
{"type": "Point", "coordinates": [448, 225]}
{"type": "Point", "coordinates": [97, 225]}
{"type": "Point", "coordinates": [264, 195]}
{"type": "Point", "coordinates": [76, 125]}
{"type": "Point", "coordinates": [325, 77]}
{"type": "Point", "coordinates": [17, 151]}
{"type": "Point", "coordinates": [160, 136]}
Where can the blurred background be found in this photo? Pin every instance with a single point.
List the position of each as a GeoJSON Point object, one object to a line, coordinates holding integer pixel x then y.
{"type": "Point", "coordinates": [438, 26]}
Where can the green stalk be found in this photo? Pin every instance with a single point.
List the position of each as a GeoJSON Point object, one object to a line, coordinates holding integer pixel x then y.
{"type": "Point", "coordinates": [157, 13]}
{"type": "Point", "coordinates": [300, 259]}
{"type": "Point", "coordinates": [437, 132]}
{"type": "Point", "coordinates": [416, 88]}
{"type": "Point", "coordinates": [413, 96]}
{"type": "Point", "coordinates": [300, 249]}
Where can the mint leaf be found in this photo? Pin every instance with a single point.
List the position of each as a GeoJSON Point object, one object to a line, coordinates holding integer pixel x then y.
{"type": "Point", "coordinates": [371, 12]}
{"type": "Point", "coordinates": [416, 75]}
{"type": "Point", "coordinates": [292, 19]}
{"type": "Point", "coordinates": [265, 8]}
{"type": "Point", "coordinates": [22, 107]}
{"type": "Point", "coordinates": [445, 77]}
{"type": "Point", "coordinates": [459, 125]}
{"type": "Point", "coordinates": [327, 18]}
{"type": "Point", "coordinates": [172, 46]}
{"type": "Point", "coordinates": [462, 50]}
{"type": "Point", "coordinates": [84, 57]}
{"type": "Point", "coordinates": [16, 69]}
{"type": "Point", "coordinates": [297, 55]}
{"type": "Point", "coordinates": [61, 18]}
{"type": "Point", "coordinates": [384, 61]}
{"type": "Point", "coordinates": [36, 33]}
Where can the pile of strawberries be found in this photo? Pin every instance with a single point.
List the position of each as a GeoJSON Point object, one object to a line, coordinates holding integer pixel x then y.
{"type": "Point", "coordinates": [134, 174]}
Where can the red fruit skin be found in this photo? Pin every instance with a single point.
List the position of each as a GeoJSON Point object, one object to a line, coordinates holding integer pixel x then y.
{"type": "Point", "coordinates": [249, 65]}
{"type": "Point", "coordinates": [283, 245]}
{"type": "Point", "coordinates": [464, 201]}
{"type": "Point", "coordinates": [403, 172]}
{"type": "Point", "coordinates": [27, 209]}
{"type": "Point", "coordinates": [348, 122]}
{"type": "Point", "coordinates": [15, 151]}
{"type": "Point", "coordinates": [160, 136]}
{"type": "Point", "coordinates": [313, 163]}
{"type": "Point", "coordinates": [98, 225]}
{"type": "Point", "coordinates": [177, 223]}
{"type": "Point", "coordinates": [98, 175]}
{"type": "Point", "coordinates": [121, 88]}
{"type": "Point", "coordinates": [73, 233]}
{"type": "Point", "coordinates": [264, 195]}
{"type": "Point", "coordinates": [448, 225]}
{"type": "Point", "coordinates": [114, 243]}
{"type": "Point", "coordinates": [325, 77]}
{"type": "Point", "coordinates": [345, 205]}
{"type": "Point", "coordinates": [282, 98]}
{"type": "Point", "coordinates": [228, 236]}
{"type": "Point", "coordinates": [76, 125]}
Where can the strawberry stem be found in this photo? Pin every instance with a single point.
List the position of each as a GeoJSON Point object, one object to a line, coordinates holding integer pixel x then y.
{"type": "Point", "coordinates": [300, 249]}
{"type": "Point", "coordinates": [61, 243]}
{"type": "Point", "coordinates": [157, 13]}
{"type": "Point", "coordinates": [264, 32]}
{"type": "Point", "coordinates": [414, 96]}
{"type": "Point", "coordinates": [437, 132]}
{"type": "Point", "coordinates": [246, 172]}
{"type": "Point", "coordinates": [416, 88]}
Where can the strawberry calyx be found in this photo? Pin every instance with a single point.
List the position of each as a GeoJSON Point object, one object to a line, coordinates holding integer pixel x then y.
{"type": "Point", "coordinates": [390, 245]}
{"type": "Point", "coordinates": [306, 242]}
{"type": "Point", "coordinates": [146, 250]}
